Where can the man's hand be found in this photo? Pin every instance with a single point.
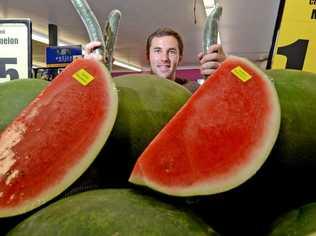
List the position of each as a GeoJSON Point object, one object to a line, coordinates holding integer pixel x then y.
{"type": "Point", "coordinates": [210, 61]}
{"type": "Point", "coordinates": [89, 51]}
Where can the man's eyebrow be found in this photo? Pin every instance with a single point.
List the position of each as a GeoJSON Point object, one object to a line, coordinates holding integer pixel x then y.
{"type": "Point", "coordinates": [169, 49]}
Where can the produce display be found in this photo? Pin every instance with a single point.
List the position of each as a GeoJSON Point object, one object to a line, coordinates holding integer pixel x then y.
{"type": "Point", "coordinates": [56, 137]}
{"type": "Point", "coordinates": [234, 158]}
{"type": "Point", "coordinates": [144, 112]}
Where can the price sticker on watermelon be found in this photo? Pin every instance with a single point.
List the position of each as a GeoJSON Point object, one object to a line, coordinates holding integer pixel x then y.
{"type": "Point", "coordinates": [295, 45]}
{"type": "Point", "coordinates": [15, 48]}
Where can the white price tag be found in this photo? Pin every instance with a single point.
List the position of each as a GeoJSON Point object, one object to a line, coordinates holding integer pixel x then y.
{"type": "Point", "coordinates": [15, 49]}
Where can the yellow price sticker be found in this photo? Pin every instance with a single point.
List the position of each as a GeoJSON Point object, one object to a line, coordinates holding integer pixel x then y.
{"type": "Point", "coordinates": [83, 77]}
{"type": "Point", "coordinates": [241, 74]}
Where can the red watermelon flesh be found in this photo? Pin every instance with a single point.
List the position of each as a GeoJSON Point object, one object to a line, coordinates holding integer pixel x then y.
{"type": "Point", "coordinates": [56, 137]}
{"type": "Point", "coordinates": [218, 139]}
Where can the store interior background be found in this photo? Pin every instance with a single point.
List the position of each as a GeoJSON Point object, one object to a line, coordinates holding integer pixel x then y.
{"type": "Point", "coordinates": [246, 27]}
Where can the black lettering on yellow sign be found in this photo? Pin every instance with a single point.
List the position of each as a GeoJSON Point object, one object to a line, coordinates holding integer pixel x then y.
{"type": "Point", "coordinates": [313, 14]}
{"type": "Point", "coordinates": [295, 54]}
{"type": "Point", "coordinates": [295, 36]}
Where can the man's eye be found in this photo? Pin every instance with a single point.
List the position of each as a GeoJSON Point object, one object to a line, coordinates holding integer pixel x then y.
{"type": "Point", "coordinates": [173, 52]}
{"type": "Point", "coordinates": [156, 50]}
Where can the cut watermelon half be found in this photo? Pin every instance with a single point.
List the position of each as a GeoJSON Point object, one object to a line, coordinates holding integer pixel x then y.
{"type": "Point", "coordinates": [56, 137]}
{"type": "Point", "coordinates": [218, 139]}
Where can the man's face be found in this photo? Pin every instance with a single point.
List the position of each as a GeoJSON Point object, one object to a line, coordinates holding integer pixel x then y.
{"type": "Point", "coordinates": [164, 56]}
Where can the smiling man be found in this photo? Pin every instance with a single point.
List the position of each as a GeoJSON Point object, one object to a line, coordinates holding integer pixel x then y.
{"type": "Point", "coordinates": [164, 51]}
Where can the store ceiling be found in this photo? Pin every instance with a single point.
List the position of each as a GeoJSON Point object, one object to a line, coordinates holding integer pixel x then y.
{"type": "Point", "coordinates": [246, 26]}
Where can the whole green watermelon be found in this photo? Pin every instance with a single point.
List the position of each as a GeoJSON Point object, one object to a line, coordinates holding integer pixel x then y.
{"type": "Point", "coordinates": [297, 222]}
{"type": "Point", "coordinates": [292, 165]}
{"type": "Point", "coordinates": [112, 212]}
{"type": "Point", "coordinates": [287, 179]}
{"type": "Point", "coordinates": [15, 95]}
{"type": "Point", "coordinates": [146, 104]}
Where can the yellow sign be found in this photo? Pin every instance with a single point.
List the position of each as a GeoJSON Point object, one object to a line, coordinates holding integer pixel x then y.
{"type": "Point", "coordinates": [295, 46]}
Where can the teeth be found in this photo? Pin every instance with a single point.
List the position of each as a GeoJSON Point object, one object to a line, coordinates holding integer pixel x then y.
{"type": "Point", "coordinates": [164, 67]}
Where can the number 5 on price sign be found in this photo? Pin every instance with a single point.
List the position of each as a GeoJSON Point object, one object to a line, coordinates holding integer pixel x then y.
{"type": "Point", "coordinates": [15, 49]}
{"type": "Point", "coordinates": [295, 37]}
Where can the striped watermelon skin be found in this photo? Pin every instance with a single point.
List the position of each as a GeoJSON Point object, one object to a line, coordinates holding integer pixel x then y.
{"type": "Point", "coordinates": [15, 95]}
{"type": "Point", "coordinates": [112, 212]}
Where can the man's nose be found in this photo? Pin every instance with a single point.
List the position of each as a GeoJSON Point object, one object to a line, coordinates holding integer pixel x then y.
{"type": "Point", "coordinates": [165, 56]}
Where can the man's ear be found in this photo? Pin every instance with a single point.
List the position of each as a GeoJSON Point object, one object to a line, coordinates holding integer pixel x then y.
{"type": "Point", "coordinates": [147, 60]}
{"type": "Point", "coordinates": [180, 58]}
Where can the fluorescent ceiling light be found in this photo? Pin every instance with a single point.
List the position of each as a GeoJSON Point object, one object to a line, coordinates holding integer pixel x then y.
{"type": "Point", "coordinates": [39, 38]}
{"type": "Point", "coordinates": [208, 4]}
{"type": "Point", "coordinates": [44, 39]}
{"type": "Point", "coordinates": [125, 65]}
{"type": "Point", "coordinates": [37, 64]}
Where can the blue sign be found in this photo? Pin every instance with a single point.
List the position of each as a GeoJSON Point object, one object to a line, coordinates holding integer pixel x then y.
{"type": "Point", "coordinates": [62, 55]}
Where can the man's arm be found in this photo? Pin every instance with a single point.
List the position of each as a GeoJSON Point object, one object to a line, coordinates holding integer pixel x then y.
{"type": "Point", "coordinates": [210, 61]}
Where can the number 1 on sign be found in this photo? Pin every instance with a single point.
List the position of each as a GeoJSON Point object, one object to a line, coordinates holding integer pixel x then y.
{"type": "Point", "coordinates": [295, 54]}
